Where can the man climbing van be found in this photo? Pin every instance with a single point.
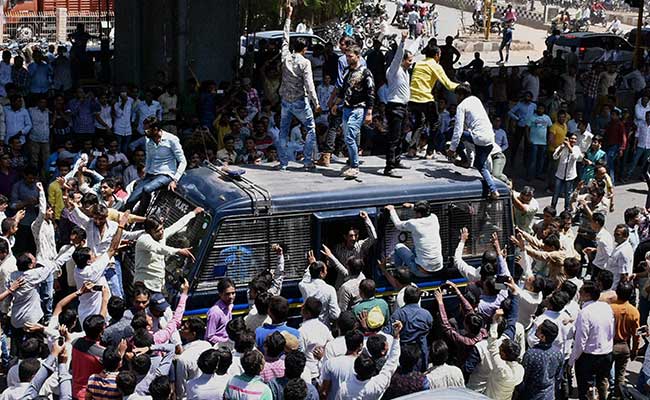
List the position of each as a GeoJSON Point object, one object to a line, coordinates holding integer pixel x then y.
{"type": "Point", "coordinates": [426, 256]}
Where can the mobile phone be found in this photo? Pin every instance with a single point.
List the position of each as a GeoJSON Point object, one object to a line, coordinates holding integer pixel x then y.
{"type": "Point", "coordinates": [500, 282]}
{"type": "Point", "coordinates": [642, 330]}
{"type": "Point", "coordinates": [61, 340]}
{"type": "Point", "coordinates": [97, 288]}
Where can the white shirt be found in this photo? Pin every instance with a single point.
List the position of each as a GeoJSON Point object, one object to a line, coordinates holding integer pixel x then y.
{"type": "Point", "coordinates": [144, 110]}
{"type": "Point", "coordinates": [472, 117]}
{"type": "Point", "coordinates": [505, 375]}
{"type": "Point", "coordinates": [426, 239]}
{"type": "Point", "coordinates": [91, 303]}
{"type": "Point", "coordinates": [122, 123]}
{"type": "Point", "coordinates": [566, 167]}
{"type": "Point", "coordinates": [558, 318]}
{"type": "Point", "coordinates": [373, 388]}
{"type": "Point", "coordinates": [187, 364]}
{"type": "Point", "coordinates": [17, 121]}
{"type": "Point", "coordinates": [594, 329]}
{"type": "Point", "coordinates": [399, 88]}
{"type": "Point", "coordinates": [105, 115]}
{"type": "Point", "coordinates": [528, 302]}
{"type": "Point", "coordinates": [445, 376]}
{"type": "Point", "coordinates": [530, 83]}
{"type": "Point", "coordinates": [43, 232]}
{"type": "Point", "coordinates": [472, 274]}
{"type": "Point", "coordinates": [7, 267]}
{"type": "Point", "coordinates": [604, 249]}
{"type": "Point", "coordinates": [313, 333]}
{"type": "Point", "coordinates": [335, 348]}
{"type": "Point", "coordinates": [325, 293]}
{"type": "Point", "coordinates": [620, 262]}
{"type": "Point", "coordinates": [26, 305]}
{"type": "Point", "coordinates": [40, 132]}
{"type": "Point", "coordinates": [5, 77]}
{"type": "Point", "coordinates": [207, 387]}
{"type": "Point", "coordinates": [98, 242]}
{"type": "Point", "coordinates": [337, 370]}
{"type": "Point", "coordinates": [643, 135]}
{"type": "Point", "coordinates": [584, 140]}
{"type": "Point", "coordinates": [168, 102]}
{"type": "Point", "coordinates": [16, 392]}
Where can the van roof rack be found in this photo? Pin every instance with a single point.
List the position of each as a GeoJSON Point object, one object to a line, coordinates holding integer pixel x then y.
{"type": "Point", "coordinates": [260, 196]}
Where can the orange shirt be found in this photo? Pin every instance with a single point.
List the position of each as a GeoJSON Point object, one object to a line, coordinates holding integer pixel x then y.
{"type": "Point", "coordinates": [626, 321]}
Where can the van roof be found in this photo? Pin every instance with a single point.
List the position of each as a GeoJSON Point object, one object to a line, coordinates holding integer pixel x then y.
{"type": "Point", "coordinates": [297, 190]}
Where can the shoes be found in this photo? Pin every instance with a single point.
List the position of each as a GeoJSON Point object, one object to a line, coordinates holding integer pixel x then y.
{"type": "Point", "coordinates": [401, 165]}
{"type": "Point", "coordinates": [325, 159]}
{"type": "Point", "coordinates": [281, 167]}
{"type": "Point", "coordinates": [391, 173]}
{"type": "Point", "coordinates": [310, 167]}
{"type": "Point", "coordinates": [351, 173]}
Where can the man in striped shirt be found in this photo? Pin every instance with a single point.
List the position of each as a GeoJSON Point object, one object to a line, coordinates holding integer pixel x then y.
{"type": "Point", "coordinates": [103, 386]}
{"type": "Point", "coordinates": [249, 385]}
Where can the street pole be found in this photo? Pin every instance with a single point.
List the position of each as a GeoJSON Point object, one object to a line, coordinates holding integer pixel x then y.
{"type": "Point", "coordinates": [638, 53]}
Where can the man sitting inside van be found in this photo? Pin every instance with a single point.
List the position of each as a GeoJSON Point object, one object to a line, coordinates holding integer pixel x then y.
{"type": "Point", "coordinates": [426, 256]}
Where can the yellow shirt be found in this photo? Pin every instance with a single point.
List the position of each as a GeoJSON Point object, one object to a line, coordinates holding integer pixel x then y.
{"type": "Point", "coordinates": [556, 136]}
{"type": "Point", "coordinates": [55, 197]}
{"type": "Point", "coordinates": [425, 75]}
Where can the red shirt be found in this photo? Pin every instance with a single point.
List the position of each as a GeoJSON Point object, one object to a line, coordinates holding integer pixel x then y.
{"type": "Point", "coordinates": [615, 134]}
{"type": "Point", "coordinates": [86, 361]}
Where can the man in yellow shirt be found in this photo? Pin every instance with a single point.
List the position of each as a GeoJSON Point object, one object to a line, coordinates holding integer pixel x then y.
{"type": "Point", "coordinates": [557, 134]}
{"type": "Point", "coordinates": [422, 103]}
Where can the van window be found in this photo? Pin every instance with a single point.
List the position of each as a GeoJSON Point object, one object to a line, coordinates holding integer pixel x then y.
{"type": "Point", "coordinates": [242, 249]}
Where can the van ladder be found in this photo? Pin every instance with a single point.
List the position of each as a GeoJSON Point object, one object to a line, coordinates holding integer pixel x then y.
{"type": "Point", "coordinates": [260, 197]}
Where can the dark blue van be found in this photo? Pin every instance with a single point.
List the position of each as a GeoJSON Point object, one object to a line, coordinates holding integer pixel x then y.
{"type": "Point", "coordinates": [303, 210]}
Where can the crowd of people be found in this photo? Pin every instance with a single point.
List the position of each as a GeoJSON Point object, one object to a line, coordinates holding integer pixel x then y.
{"type": "Point", "coordinates": [80, 165]}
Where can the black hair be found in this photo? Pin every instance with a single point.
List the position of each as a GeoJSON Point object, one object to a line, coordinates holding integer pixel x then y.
{"type": "Point", "coordinates": [629, 215]}
{"type": "Point", "coordinates": [7, 224]}
{"type": "Point", "coordinates": [376, 346]}
{"type": "Point", "coordinates": [152, 223]}
{"type": "Point", "coordinates": [244, 342]}
{"type": "Point", "coordinates": [313, 307]}
{"type": "Point", "coordinates": [624, 228]}
{"type": "Point", "coordinates": [79, 232]}
{"type": "Point", "coordinates": [196, 326]}
{"type": "Point", "coordinates": [27, 369]}
{"type": "Point", "coordinates": [30, 348]}
{"type": "Point", "coordinates": [364, 367]}
{"type": "Point", "coordinates": [93, 326]}
{"type": "Point", "coordinates": [225, 360]}
{"type": "Point", "coordinates": [412, 294]}
{"type": "Point", "coordinates": [4, 247]}
{"type": "Point", "coordinates": [160, 388]}
{"type": "Point", "coordinates": [510, 350]}
{"type": "Point", "coordinates": [295, 389]}
{"type": "Point", "coordinates": [116, 307]}
{"type": "Point", "coordinates": [439, 352]}
{"type": "Point", "coordinates": [141, 363]}
{"type": "Point", "coordinates": [23, 262]}
{"type": "Point", "coordinates": [591, 289]}
{"type": "Point", "coordinates": [353, 340]}
{"type": "Point", "coordinates": [224, 284]}
{"type": "Point", "coordinates": [81, 257]}
{"type": "Point", "coordinates": [605, 279]}
{"type": "Point", "coordinates": [141, 290]}
{"type": "Point", "coordinates": [299, 45]}
{"type": "Point", "coordinates": [262, 302]}
{"type": "Point", "coordinates": [126, 382]}
{"type": "Point", "coordinates": [569, 288]}
{"type": "Point", "coordinates": [111, 359]}
{"type": "Point", "coordinates": [235, 327]}
{"type": "Point", "coordinates": [550, 210]}
{"type": "Point", "coordinates": [553, 241]}
{"type": "Point", "coordinates": [294, 364]}
{"type": "Point", "coordinates": [139, 320]}
{"type": "Point", "coordinates": [422, 208]}
{"type": "Point", "coordinates": [355, 265]}
{"type": "Point", "coordinates": [252, 362]}
{"type": "Point", "coordinates": [409, 357]}
{"type": "Point", "coordinates": [558, 301]}
{"type": "Point", "coordinates": [110, 182]}
{"type": "Point", "coordinates": [142, 338]}
{"type": "Point", "coordinates": [572, 267]}
{"type": "Point", "coordinates": [549, 329]}
{"type": "Point", "coordinates": [489, 257]}
{"type": "Point", "coordinates": [463, 89]}
{"type": "Point", "coordinates": [347, 321]}
{"type": "Point", "coordinates": [473, 323]}
{"type": "Point", "coordinates": [403, 276]}
{"type": "Point", "coordinates": [278, 309]}
{"type": "Point", "coordinates": [208, 361]}
{"type": "Point", "coordinates": [624, 291]}
{"type": "Point", "coordinates": [367, 288]}
{"type": "Point", "coordinates": [599, 218]}
{"type": "Point", "coordinates": [539, 283]}
{"type": "Point", "coordinates": [316, 268]}
{"type": "Point", "coordinates": [274, 344]}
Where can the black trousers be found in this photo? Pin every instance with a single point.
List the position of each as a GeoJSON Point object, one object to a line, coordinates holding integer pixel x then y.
{"type": "Point", "coordinates": [593, 370]}
{"type": "Point", "coordinates": [396, 114]}
{"type": "Point", "coordinates": [425, 114]}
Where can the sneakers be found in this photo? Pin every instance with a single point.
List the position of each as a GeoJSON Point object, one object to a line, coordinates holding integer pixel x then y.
{"type": "Point", "coordinates": [391, 173]}
{"type": "Point", "coordinates": [351, 173]}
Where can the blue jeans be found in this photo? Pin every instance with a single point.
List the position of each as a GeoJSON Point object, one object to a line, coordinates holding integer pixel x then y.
{"type": "Point", "coordinates": [639, 154]}
{"type": "Point", "coordinates": [536, 162]}
{"type": "Point", "coordinates": [480, 161]}
{"type": "Point", "coordinates": [612, 155]}
{"type": "Point", "coordinates": [114, 278]}
{"type": "Point", "coordinates": [303, 113]}
{"type": "Point", "coordinates": [403, 256]}
{"type": "Point", "coordinates": [565, 187]}
{"type": "Point", "coordinates": [123, 143]}
{"type": "Point", "coordinates": [641, 383]}
{"type": "Point", "coordinates": [352, 121]}
{"type": "Point", "coordinates": [589, 103]}
{"type": "Point", "coordinates": [146, 186]}
{"type": "Point", "coordinates": [46, 291]}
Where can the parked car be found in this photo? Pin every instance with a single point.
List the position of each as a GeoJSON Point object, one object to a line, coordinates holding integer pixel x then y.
{"type": "Point", "coordinates": [594, 47]}
{"type": "Point", "coordinates": [645, 37]}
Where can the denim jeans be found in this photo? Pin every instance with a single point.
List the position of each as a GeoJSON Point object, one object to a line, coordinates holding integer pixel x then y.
{"type": "Point", "coordinates": [303, 113]}
{"type": "Point", "coordinates": [642, 382]}
{"type": "Point", "coordinates": [588, 104]}
{"type": "Point", "coordinates": [403, 256]}
{"type": "Point", "coordinates": [639, 154]}
{"type": "Point", "coordinates": [536, 161]}
{"type": "Point", "coordinates": [146, 186]}
{"type": "Point", "coordinates": [46, 291]}
{"type": "Point", "coordinates": [123, 143]}
{"type": "Point", "coordinates": [480, 161]}
{"type": "Point", "coordinates": [565, 187]}
{"type": "Point", "coordinates": [352, 121]}
{"type": "Point", "coordinates": [612, 155]}
{"type": "Point", "coordinates": [114, 278]}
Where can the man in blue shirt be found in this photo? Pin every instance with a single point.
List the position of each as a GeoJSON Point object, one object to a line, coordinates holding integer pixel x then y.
{"type": "Point", "coordinates": [506, 41]}
{"type": "Point", "coordinates": [543, 365]}
{"type": "Point", "coordinates": [538, 126]}
{"type": "Point", "coordinates": [278, 312]}
{"type": "Point", "coordinates": [521, 112]}
{"type": "Point", "coordinates": [39, 75]}
{"type": "Point", "coordinates": [164, 164]}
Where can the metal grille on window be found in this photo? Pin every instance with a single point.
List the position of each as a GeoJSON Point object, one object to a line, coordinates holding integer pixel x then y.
{"type": "Point", "coordinates": [242, 249]}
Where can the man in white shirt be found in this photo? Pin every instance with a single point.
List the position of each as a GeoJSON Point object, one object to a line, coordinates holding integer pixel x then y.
{"type": "Point", "coordinates": [472, 274]}
{"type": "Point", "coordinates": [336, 370]}
{"type": "Point", "coordinates": [187, 368]}
{"type": "Point", "coordinates": [364, 384]}
{"type": "Point", "coordinates": [474, 126]}
{"type": "Point", "coordinates": [122, 123]}
{"type": "Point", "coordinates": [39, 136]}
{"type": "Point", "coordinates": [556, 303]}
{"type": "Point", "coordinates": [313, 334]}
{"type": "Point", "coordinates": [151, 250]}
{"type": "Point", "coordinates": [594, 342]}
{"type": "Point", "coordinates": [568, 155]}
{"type": "Point", "coordinates": [642, 151]}
{"type": "Point", "coordinates": [620, 262]}
{"type": "Point", "coordinates": [426, 256]}
{"type": "Point", "coordinates": [313, 285]}
{"type": "Point", "coordinates": [211, 384]}
{"type": "Point", "coordinates": [17, 120]}
{"type": "Point", "coordinates": [524, 209]}
{"type": "Point", "coordinates": [91, 268]}
{"type": "Point", "coordinates": [43, 231]}
{"type": "Point", "coordinates": [5, 72]}
{"type": "Point", "coordinates": [144, 109]}
{"type": "Point", "coordinates": [604, 243]}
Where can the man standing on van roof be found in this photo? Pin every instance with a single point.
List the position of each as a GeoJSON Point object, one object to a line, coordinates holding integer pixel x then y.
{"type": "Point", "coordinates": [474, 126]}
{"type": "Point", "coordinates": [426, 256]}
{"type": "Point", "coordinates": [297, 85]}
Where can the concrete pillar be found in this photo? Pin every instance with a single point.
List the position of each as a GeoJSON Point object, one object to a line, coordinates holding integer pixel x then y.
{"type": "Point", "coordinates": [61, 24]}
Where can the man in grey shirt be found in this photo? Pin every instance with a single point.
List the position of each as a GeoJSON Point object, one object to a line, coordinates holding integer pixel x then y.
{"type": "Point", "coordinates": [297, 85]}
{"type": "Point", "coordinates": [399, 92]}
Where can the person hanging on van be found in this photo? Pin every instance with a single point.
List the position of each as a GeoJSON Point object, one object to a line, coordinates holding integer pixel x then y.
{"type": "Point", "coordinates": [426, 256]}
